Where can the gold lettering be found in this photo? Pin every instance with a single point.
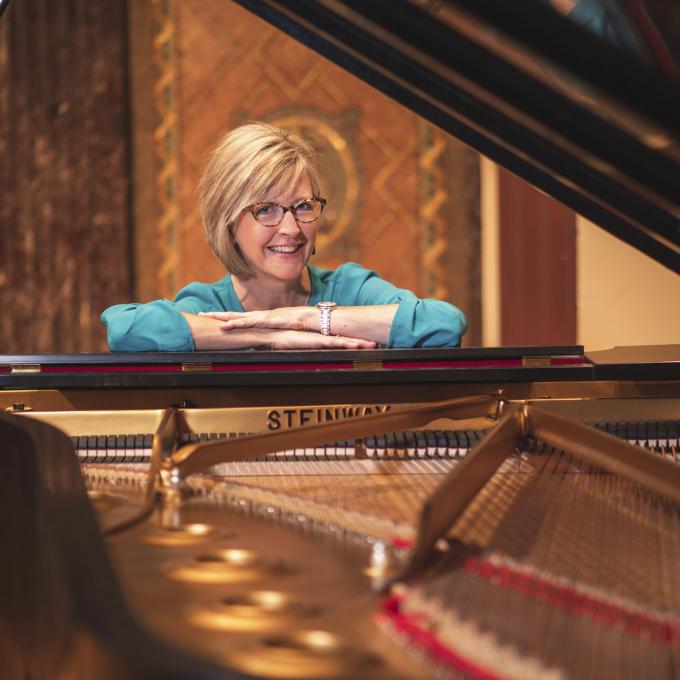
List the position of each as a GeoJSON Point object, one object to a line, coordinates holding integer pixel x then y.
{"type": "Point", "coordinates": [294, 417]}
{"type": "Point", "coordinates": [273, 420]}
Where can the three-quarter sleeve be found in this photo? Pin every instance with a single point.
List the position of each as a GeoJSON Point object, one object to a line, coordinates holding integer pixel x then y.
{"type": "Point", "coordinates": [417, 322]}
{"type": "Point", "coordinates": [152, 327]}
{"type": "Point", "coordinates": [426, 323]}
{"type": "Point", "coordinates": [159, 326]}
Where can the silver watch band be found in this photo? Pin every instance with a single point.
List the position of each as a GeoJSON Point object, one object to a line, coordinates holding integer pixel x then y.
{"type": "Point", "coordinates": [325, 320]}
{"type": "Point", "coordinates": [325, 317]}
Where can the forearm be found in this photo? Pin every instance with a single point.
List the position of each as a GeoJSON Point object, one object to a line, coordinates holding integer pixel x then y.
{"type": "Point", "coordinates": [372, 322]}
{"type": "Point", "coordinates": [207, 334]}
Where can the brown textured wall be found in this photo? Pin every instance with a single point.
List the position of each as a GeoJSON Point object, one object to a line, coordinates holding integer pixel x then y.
{"type": "Point", "coordinates": [403, 196]}
{"type": "Point", "coordinates": [538, 265]}
{"type": "Point", "coordinates": [64, 216]}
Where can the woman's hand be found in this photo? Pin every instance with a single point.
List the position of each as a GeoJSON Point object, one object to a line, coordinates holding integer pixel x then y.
{"type": "Point", "coordinates": [372, 322]}
{"type": "Point", "coordinates": [290, 318]}
{"type": "Point", "coordinates": [286, 339]}
{"type": "Point", "coordinates": [208, 333]}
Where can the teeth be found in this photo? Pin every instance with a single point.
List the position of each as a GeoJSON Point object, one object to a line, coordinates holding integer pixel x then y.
{"type": "Point", "coordinates": [284, 249]}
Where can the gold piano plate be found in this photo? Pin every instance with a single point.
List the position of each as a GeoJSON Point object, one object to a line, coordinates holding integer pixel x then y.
{"type": "Point", "coordinates": [197, 368]}
{"type": "Point", "coordinates": [536, 361]}
{"type": "Point", "coordinates": [254, 611]}
{"type": "Point", "coordinates": [233, 565]}
{"type": "Point", "coordinates": [25, 369]}
{"type": "Point", "coordinates": [306, 654]}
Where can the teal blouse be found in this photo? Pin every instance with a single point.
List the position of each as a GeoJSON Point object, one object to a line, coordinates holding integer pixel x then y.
{"type": "Point", "coordinates": [159, 325]}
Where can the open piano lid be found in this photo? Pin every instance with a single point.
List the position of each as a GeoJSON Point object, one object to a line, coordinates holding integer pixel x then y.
{"type": "Point", "coordinates": [591, 123]}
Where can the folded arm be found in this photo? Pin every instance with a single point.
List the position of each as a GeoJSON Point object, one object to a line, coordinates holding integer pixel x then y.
{"type": "Point", "coordinates": [161, 327]}
{"type": "Point", "coordinates": [410, 323]}
{"type": "Point", "coordinates": [370, 311]}
{"type": "Point", "coordinates": [371, 323]}
{"type": "Point", "coordinates": [209, 333]}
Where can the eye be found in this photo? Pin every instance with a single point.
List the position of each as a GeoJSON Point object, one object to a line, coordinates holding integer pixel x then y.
{"type": "Point", "coordinates": [265, 210]}
{"type": "Point", "coordinates": [305, 206]}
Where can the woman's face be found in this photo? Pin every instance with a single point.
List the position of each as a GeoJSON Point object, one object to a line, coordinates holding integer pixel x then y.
{"type": "Point", "coordinates": [279, 252]}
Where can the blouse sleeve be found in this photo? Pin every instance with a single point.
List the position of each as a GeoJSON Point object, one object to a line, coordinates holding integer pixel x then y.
{"type": "Point", "coordinates": [417, 322]}
{"type": "Point", "coordinates": [159, 326]}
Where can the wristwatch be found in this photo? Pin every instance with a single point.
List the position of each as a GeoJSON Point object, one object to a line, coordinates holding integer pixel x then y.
{"type": "Point", "coordinates": [325, 309]}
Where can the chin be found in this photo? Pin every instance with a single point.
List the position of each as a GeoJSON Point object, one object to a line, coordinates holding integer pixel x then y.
{"type": "Point", "coordinates": [287, 272]}
{"type": "Point", "coordinates": [293, 264]}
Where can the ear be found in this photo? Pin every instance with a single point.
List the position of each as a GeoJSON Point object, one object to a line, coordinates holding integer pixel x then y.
{"type": "Point", "coordinates": [231, 231]}
{"type": "Point", "coordinates": [232, 238]}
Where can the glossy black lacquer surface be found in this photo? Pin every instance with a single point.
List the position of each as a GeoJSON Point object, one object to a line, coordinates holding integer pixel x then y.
{"type": "Point", "coordinates": [56, 579]}
{"type": "Point", "coordinates": [582, 119]}
{"type": "Point", "coordinates": [282, 368]}
{"type": "Point", "coordinates": [365, 367]}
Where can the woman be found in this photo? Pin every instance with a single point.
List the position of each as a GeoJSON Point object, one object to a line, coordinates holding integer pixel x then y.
{"type": "Point", "coordinates": [260, 202]}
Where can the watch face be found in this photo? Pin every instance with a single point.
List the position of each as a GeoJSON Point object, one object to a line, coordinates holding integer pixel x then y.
{"type": "Point", "coordinates": [326, 305]}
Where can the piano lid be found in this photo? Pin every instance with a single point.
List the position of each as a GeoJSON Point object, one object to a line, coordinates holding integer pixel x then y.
{"type": "Point", "coordinates": [294, 367]}
{"type": "Point", "coordinates": [584, 106]}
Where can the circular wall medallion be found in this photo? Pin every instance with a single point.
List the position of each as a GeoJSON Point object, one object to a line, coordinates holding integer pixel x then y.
{"type": "Point", "coordinates": [338, 163]}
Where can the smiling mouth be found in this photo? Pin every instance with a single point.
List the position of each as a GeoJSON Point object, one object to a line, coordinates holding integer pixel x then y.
{"type": "Point", "coordinates": [285, 250]}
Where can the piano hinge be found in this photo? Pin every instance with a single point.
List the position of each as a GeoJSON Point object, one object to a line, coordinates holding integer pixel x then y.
{"type": "Point", "coordinates": [196, 368]}
{"type": "Point", "coordinates": [536, 361]}
{"type": "Point", "coordinates": [367, 365]}
{"type": "Point", "coordinates": [18, 407]}
{"type": "Point", "coordinates": [25, 368]}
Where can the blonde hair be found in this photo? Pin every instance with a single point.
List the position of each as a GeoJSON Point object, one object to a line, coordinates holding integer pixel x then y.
{"type": "Point", "coordinates": [250, 163]}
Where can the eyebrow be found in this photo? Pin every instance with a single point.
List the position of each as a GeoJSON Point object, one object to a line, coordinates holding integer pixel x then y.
{"type": "Point", "coordinates": [286, 205]}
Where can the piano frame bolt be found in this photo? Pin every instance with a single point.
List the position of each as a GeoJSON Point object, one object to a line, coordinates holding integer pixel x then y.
{"type": "Point", "coordinates": [501, 403]}
{"type": "Point", "coordinates": [18, 407]}
{"type": "Point", "coordinates": [524, 421]}
{"type": "Point", "coordinates": [170, 479]}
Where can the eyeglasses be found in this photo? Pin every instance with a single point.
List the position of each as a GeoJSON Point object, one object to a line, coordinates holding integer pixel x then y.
{"type": "Point", "coordinates": [304, 210]}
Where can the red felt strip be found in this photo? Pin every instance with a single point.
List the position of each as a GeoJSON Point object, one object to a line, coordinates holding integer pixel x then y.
{"type": "Point", "coordinates": [570, 599]}
{"type": "Point", "coordinates": [111, 368]}
{"type": "Point", "coordinates": [411, 626]}
{"type": "Point", "coordinates": [479, 363]}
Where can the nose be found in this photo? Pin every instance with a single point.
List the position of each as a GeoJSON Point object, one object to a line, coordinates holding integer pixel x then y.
{"type": "Point", "coordinates": [288, 225]}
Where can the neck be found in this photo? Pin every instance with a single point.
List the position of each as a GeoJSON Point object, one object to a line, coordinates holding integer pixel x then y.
{"type": "Point", "coordinates": [259, 294]}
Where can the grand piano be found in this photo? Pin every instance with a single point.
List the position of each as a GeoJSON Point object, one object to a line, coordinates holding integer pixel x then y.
{"type": "Point", "coordinates": [475, 512]}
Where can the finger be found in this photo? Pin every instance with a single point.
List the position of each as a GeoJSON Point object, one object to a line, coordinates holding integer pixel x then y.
{"type": "Point", "coordinates": [221, 316]}
{"type": "Point", "coordinates": [352, 343]}
{"type": "Point", "coordinates": [238, 323]}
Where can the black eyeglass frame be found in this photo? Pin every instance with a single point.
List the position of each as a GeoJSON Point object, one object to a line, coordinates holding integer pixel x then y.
{"type": "Point", "coordinates": [291, 208]}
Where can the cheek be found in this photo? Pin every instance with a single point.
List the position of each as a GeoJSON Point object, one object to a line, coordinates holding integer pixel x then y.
{"type": "Point", "coordinates": [242, 234]}
{"type": "Point", "coordinates": [310, 233]}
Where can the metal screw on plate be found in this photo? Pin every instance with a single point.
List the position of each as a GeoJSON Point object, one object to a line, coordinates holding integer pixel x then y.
{"type": "Point", "coordinates": [184, 403]}
{"type": "Point", "coordinates": [17, 407]}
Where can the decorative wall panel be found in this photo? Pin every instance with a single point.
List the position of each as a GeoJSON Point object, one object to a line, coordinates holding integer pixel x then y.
{"type": "Point", "coordinates": [64, 217]}
{"type": "Point", "coordinates": [403, 197]}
